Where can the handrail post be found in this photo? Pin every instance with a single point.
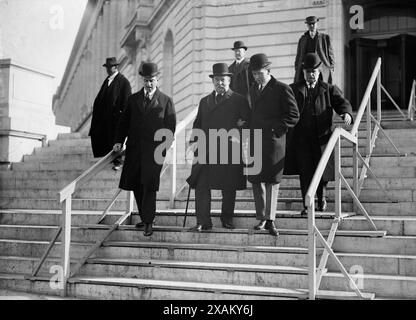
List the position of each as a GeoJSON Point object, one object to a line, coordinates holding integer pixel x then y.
{"type": "Point", "coordinates": [338, 179]}
{"type": "Point", "coordinates": [312, 251]}
{"type": "Point", "coordinates": [355, 178]}
{"type": "Point", "coordinates": [368, 129]}
{"type": "Point", "coordinates": [379, 96]}
{"type": "Point", "coordinates": [130, 199]}
{"type": "Point", "coordinates": [66, 243]}
{"type": "Point", "coordinates": [174, 167]}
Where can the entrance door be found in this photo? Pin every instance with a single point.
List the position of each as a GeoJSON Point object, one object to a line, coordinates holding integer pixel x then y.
{"type": "Point", "coordinates": [398, 68]}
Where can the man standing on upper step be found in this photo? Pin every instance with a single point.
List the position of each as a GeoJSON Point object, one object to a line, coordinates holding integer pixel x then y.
{"type": "Point", "coordinates": [274, 111]}
{"type": "Point", "coordinates": [242, 78]}
{"type": "Point", "coordinates": [222, 110]}
{"type": "Point", "coordinates": [315, 42]}
{"type": "Point", "coordinates": [108, 107]}
{"type": "Point", "coordinates": [147, 112]}
{"type": "Point", "coordinates": [316, 101]}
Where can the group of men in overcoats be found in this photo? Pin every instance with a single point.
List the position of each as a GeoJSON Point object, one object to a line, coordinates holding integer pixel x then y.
{"type": "Point", "coordinates": [294, 121]}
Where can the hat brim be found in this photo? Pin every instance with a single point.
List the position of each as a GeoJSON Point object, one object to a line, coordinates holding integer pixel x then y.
{"type": "Point", "coordinates": [149, 75]}
{"type": "Point", "coordinates": [221, 75]}
{"type": "Point", "coordinates": [308, 22]}
{"type": "Point", "coordinates": [245, 48]}
{"type": "Point", "coordinates": [265, 65]}
{"type": "Point", "coordinates": [312, 68]}
{"type": "Point", "coordinates": [110, 65]}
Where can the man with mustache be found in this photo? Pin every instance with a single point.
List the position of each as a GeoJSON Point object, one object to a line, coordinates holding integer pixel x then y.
{"type": "Point", "coordinates": [227, 110]}
{"type": "Point", "coordinates": [316, 101]}
{"type": "Point", "coordinates": [147, 111]}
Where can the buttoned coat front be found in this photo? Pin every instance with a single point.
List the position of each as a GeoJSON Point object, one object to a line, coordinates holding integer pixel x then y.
{"type": "Point", "coordinates": [274, 112]}
{"type": "Point", "coordinates": [222, 116]}
{"type": "Point", "coordinates": [139, 125]}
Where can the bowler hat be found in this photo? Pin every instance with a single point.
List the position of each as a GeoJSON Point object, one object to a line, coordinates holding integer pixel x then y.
{"type": "Point", "coordinates": [311, 61]}
{"type": "Point", "coordinates": [311, 19]}
{"type": "Point", "coordinates": [239, 45]}
{"type": "Point", "coordinates": [149, 70]}
{"type": "Point", "coordinates": [220, 69]}
{"type": "Point", "coordinates": [259, 61]}
{"type": "Point", "coordinates": [111, 62]}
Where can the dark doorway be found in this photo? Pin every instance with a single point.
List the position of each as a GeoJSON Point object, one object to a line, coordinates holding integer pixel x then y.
{"type": "Point", "coordinates": [397, 72]}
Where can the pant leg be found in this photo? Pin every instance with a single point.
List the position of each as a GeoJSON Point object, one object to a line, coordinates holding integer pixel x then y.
{"type": "Point", "coordinates": [138, 195]}
{"type": "Point", "coordinates": [306, 166]}
{"type": "Point", "coordinates": [148, 205]}
{"type": "Point", "coordinates": [259, 194]}
{"type": "Point", "coordinates": [203, 199]}
{"type": "Point", "coordinates": [272, 192]}
{"type": "Point", "coordinates": [228, 205]}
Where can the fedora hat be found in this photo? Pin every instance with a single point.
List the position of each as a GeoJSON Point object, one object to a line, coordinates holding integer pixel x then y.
{"type": "Point", "coordinates": [110, 62]}
{"type": "Point", "coordinates": [149, 70]}
{"type": "Point", "coordinates": [259, 61]}
{"type": "Point", "coordinates": [311, 19]}
{"type": "Point", "coordinates": [220, 70]}
{"type": "Point", "coordinates": [311, 61]}
{"type": "Point", "coordinates": [239, 45]}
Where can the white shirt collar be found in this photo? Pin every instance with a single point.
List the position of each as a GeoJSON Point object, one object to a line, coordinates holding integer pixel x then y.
{"type": "Point", "coordinates": [239, 61]}
{"type": "Point", "coordinates": [216, 93]}
{"type": "Point", "coordinates": [112, 77]}
{"type": "Point", "coordinates": [313, 85]}
{"type": "Point", "coordinates": [265, 84]}
{"type": "Point", "coordinates": [151, 94]}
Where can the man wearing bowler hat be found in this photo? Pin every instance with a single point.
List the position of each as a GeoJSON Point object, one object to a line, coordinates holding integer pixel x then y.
{"type": "Point", "coordinates": [222, 109]}
{"type": "Point", "coordinates": [273, 112]}
{"type": "Point", "coordinates": [242, 78]}
{"type": "Point", "coordinates": [316, 101]}
{"type": "Point", "coordinates": [315, 42]}
{"type": "Point", "coordinates": [108, 107]}
{"type": "Point", "coordinates": [147, 111]}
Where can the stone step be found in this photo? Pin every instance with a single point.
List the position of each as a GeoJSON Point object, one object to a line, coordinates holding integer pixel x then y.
{"type": "Point", "coordinates": [405, 225]}
{"type": "Point", "coordinates": [405, 195]}
{"type": "Point", "coordinates": [249, 237]}
{"type": "Point", "coordinates": [70, 136]}
{"type": "Point", "coordinates": [110, 288]}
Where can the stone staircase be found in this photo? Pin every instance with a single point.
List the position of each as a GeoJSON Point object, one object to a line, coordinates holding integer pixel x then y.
{"type": "Point", "coordinates": [217, 264]}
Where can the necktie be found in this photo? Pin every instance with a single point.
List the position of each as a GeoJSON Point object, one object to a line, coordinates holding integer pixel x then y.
{"type": "Point", "coordinates": [218, 98]}
{"type": "Point", "coordinates": [146, 100]}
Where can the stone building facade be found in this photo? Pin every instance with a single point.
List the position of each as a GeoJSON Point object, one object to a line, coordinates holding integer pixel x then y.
{"type": "Point", "coordinates": [186, 37]}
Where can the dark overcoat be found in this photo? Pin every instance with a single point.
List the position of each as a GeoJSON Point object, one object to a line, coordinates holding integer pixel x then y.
{"type": "Point", "coordinates": [140, 126]}
{"type": "Point", "coordinates": [108, 107]}
{"type": "Point", "coordinates": [328, 100]}
{"type": "Point", "coordinates": [274, 112]}
{"type": "Point", "coordinates": [323, 50]}
{"type": "Point", "coordinates": [242, 78]}
{"type": "Point", "coordinates": [224, 115]}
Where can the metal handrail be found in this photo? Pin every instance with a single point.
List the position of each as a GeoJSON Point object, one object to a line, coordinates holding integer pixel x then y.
{"type": "Point", "coordinates": [411, 110]}
{"type": "Point", "coordinates": [65, 198]}
{"type": "Point", "coordinates": [334, 145]}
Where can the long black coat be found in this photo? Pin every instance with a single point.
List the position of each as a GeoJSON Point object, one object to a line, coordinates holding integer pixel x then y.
{"type": "Point", "coordinates": [323, 50]}
{"type": "Point", "coordinates": [108, 107]}
{"type": "Point", "coordinates": [140, 126]}
{"type": "Point", "coordinates": [274, 112]}
{"type": "Point", "coordinates": [224, 115]}
{"type": "Point", "coordinates": [242, 78]}
{"type": "Point", "coordinates": [328, 99]}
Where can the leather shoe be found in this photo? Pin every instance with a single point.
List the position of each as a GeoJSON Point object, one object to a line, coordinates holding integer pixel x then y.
{"type": "Point", "coordinates": [228, 225]}
{"type": "Point", "coordinates": [148, 229]}
{"type": "Point", "coordinates": [141, 224]}
{"type": "Point", "coordinates": [322, 206]}
{"type": "Point", "coordinates": [199, 228]}
{"type": "Point", "coordinates": [272, 228]}
{"type": "Point", "coordinates": [261, 225]}
{"type": "Point", "coordinates": [304, 212]}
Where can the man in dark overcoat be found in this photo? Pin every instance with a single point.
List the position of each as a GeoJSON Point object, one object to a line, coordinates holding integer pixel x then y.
{"type": "Point", "coordinates": [316, 101]}
{"type": "Point", "coordinates": [108, 107]}
{"type": "Point", "coordinates": [223, 110]}
{"type": "Point", "coordinates": [242, 78]}
{"type": "Point", "coordinates": [274, 112]}
{"type": "Point", "coordinates": [147, 111]}
{"type": "Point", "coordinates": [315, 42]}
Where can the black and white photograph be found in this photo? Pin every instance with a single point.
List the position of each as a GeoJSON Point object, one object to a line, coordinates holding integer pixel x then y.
{"type": "Point", "coordinates": [214, 156]}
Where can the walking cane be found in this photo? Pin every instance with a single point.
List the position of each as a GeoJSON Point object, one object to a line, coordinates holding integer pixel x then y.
{"type": "Point", "coordinates": [186, 209]}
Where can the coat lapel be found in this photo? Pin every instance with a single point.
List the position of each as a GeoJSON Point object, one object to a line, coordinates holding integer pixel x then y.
{"type": "Point", "coordinates": [153, 103]}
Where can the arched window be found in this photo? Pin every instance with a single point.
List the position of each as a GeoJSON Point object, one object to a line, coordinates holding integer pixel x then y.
{"type": "Point", "coordinates": [167, 75]}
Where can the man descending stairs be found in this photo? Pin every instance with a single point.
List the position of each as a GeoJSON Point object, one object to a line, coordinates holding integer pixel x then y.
{"type": "Point", "coordinates": [221, 263]}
